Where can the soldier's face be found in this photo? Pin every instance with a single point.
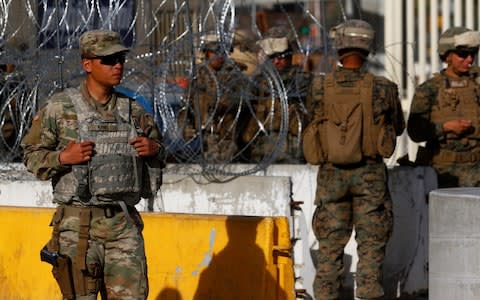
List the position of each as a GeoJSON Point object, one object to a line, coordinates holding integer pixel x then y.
{"type": "Point", "coordinates": [281, 62]}
{"type": "Point", "coordinates": [107, 70]}
{"type": "Point", "coordinates": [215, 59]}
{"type": "Point", "coordinates": [460, 63]}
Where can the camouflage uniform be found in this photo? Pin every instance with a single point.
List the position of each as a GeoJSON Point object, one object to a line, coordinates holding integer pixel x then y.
{"type": "Point", "coordinates": [268, 114]}
{"type": "Point", "coordinates": [442, 98]}
{"type": "Point", "coordinates": [115, 262]}
{"type": "Point", "coordinates": [9, 93]}
{"type": "Point", "coordinates": [354, 194]}
{"type": "Point", "coordinates": [212, 107]}
{"type": "Point", "coordinates": [262, 131]}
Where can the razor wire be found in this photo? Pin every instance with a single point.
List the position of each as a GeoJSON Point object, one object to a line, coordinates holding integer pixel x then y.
{"type": "Point", "coordinates": [39, 45]}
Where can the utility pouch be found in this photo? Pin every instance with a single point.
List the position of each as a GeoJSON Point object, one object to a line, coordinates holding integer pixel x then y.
{"type": "Point", "coordinates": [344, 133]}
{"type": "Point", "coordinates": [151, 181]}
{"type": "Point", "coordinates": [312, 146]}
{"type": "Point", "coordinates": [387, 140]}
{"type": "Point", "coordinates": [62, 271]}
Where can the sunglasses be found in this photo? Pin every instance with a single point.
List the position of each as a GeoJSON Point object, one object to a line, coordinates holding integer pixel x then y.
{"type": "Point", "coordinates": [286, 55]}
{"type": "Point", "coordinates": [112, 60]}
{"type": "Point", "coordinates": [466, 53]}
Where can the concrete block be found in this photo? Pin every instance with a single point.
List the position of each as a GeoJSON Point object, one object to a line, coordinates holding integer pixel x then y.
{"type": "Point", "coordinates": [454, 252]}
{"type": "Point", "coordinates": [246, 195]}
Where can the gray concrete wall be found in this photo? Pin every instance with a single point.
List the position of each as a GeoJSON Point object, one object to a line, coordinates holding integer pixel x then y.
{"type": "Point", "coordinates": [455, 244]}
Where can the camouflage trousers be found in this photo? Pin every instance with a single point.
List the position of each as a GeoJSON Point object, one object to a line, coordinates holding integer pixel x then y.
{"type": "Point", "coordinates": [458, 174]}
{"type": "Point", "coordinates": [115, 255]}
{"type": "Point", "coordinates": [347, 198]}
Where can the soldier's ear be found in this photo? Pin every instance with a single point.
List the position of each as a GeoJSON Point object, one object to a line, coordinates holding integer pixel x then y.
{"type": "Point", "coordinates": [87, 65]}
{"type": "Point", "coordinates": [448, 59]}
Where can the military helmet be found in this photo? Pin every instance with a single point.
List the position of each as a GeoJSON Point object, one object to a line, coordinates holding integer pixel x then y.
{"type": "Point", "coordinates": [456, 37]}
{"type": "Point", "coordinates": [353, 34]}
{"type": "Point", "coordinates": [210, 41]}
{"type": "Point", "coordinates": [277, 40]}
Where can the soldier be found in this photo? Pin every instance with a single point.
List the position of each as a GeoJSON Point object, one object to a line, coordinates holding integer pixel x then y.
{"type": "Point", "coordinates": [213, 102]}
{"type": "Point", "coordinates": [357, 117]}
{"type": "Point", "coordinates": [9, 92]}
{"type": "Point", "coordinates": [444, 112]}
{"type": "Point", "coordinates": [94, 145]}
{"type": "Point", "coordinates": [263, 131]}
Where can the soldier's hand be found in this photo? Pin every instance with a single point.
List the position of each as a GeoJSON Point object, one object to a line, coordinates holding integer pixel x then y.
{"type": "Point", "coordinates": [144, 146]}
{"type": "Point", "coordinates": [457, 127]}
{"type": "Point", "coordinates": [76, 153]}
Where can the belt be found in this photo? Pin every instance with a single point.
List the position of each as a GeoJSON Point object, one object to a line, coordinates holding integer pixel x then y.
{"type": "Point", "coordinates": [364, 162]}
{"type": "Point", "coordinates": [107, 211]}
{"type": "Point", "coordinates": [448, 156]}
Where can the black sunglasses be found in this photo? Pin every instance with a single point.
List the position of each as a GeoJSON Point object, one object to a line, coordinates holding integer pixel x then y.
{"type": "Point", "coordinates": [466, 53]}
{"type": "Point", "coordinates": [285, 55]}
{"type": "Point", "coordinates": [112, 60]}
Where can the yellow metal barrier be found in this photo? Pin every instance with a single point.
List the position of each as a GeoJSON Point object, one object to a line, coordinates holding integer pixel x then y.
{"type": "Point", "coordinates": [195, 257]}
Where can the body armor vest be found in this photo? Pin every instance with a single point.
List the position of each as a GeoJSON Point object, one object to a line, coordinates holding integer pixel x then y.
{"type": "Point", "coordinates": [115, 168]}
{"type": "Point", "coordinates": [457, 99]}
{"type": "Point", "coordinates": [347, 131]}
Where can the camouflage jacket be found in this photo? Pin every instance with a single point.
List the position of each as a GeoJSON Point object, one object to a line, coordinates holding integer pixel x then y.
{"type": "Point", "coordinates": [421, 125]}
{"type": "Point", "coordinates": [59, 126]}
{"type": "Point", "coordinates": [216, 95]}
{"type": "Point", "coordinates": [295, 83]}
{"type": "Point", "coordinates": [294, 80]}
{"type": "Point", "coordinates": [385, 97]}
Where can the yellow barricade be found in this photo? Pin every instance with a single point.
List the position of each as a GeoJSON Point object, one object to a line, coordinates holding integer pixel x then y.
{"type": "Point", "coordinates": [189, 256]}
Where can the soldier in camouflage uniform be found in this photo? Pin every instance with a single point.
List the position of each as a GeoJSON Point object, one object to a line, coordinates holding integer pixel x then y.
{"type": "Point", "coordinates": [8, 105]}
{"type": "Point", "coordinates": [213, 102]}
{"type": "Point", "coordinates": [357, 117]}
{"type": "Point", "coordinates": [263, 129]}
{"type": "Point", "coordinates": [445, 112]}
{"type": "Point", "coordinates": [94, 145]}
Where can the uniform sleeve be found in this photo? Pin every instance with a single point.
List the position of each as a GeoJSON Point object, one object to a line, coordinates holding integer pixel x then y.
{"type": "Point", "coordinates": [41, 147]}
{"type": "Point", "coordinates": [398, 119]}
{"type": "Point", "coordinates": [387, 104]}
{"type": "Point", "coordinates": [420, 128]}
{"type": "Point", "coordinates": [315, 97]}
{"type": "Point", "coordinates": [150, 129]}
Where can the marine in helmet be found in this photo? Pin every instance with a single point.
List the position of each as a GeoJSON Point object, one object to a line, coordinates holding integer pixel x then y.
{"type": "Point", "coordinates": [263, 132]}
{"type": "Point", "coordinates": [356, 119]}
{"type": "Point", "coordinates": [209, 114]}
{"type": "Point", "coordinates": [8, 88]}
{"type": "Point", "coordinates": [444, 112]}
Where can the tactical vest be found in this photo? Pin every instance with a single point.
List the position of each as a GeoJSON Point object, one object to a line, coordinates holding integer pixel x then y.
{"type": "Point", "coordinates": [346, 132]}
{"type": "Point", "coordinates": [115, 169]}
{"type": "Point", "coordinates": [457, 99]}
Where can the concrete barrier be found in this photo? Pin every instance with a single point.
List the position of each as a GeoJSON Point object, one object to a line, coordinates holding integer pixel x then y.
{"type": "Point", "coordinates": [189, 256]}
{"type": "Point", "coordinates": [454, 244]}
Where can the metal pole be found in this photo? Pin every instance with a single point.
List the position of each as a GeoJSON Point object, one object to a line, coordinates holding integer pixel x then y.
{"type": "Point", "coordinates": [60, 58]}
{"type": "Point", "coordinates": [422, 40]}
{"type": "Point", "coordinates": [434, 36]}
